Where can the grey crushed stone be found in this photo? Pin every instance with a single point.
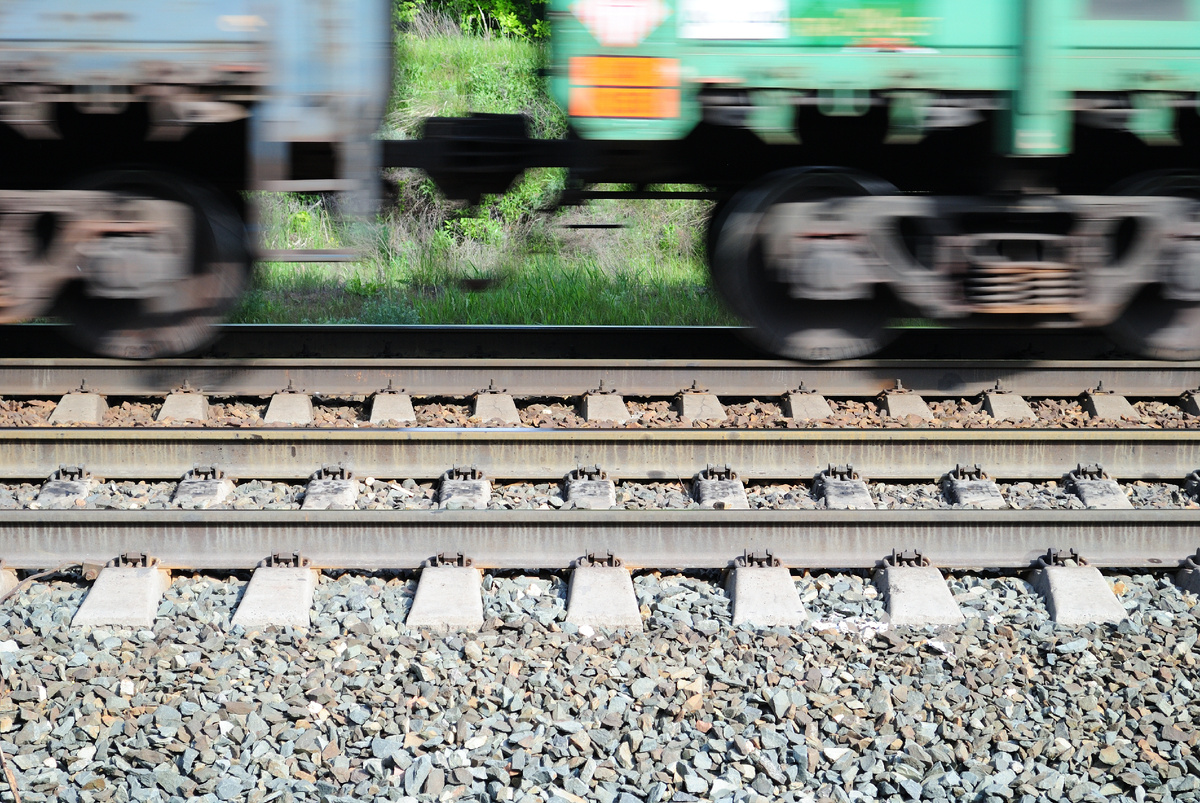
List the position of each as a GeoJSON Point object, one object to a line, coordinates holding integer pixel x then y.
{"type": "Point", "coordinates": [378, 494]}
{"type": "Point", "coordinates": [765, 413]}
{"type": "Point", "coordinates": [1006, 707]}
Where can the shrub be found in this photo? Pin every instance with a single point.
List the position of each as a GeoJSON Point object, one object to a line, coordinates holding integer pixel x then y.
{"type": "Point", "coordinates": [522, 19]}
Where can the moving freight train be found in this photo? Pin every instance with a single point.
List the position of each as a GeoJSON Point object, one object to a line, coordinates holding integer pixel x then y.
{"type": "Point", "coordinates": [993, 163]}
{"type": "Point", "coordinates": [130, 131]}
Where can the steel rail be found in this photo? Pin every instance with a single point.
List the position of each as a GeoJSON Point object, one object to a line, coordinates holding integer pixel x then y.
{"type": "Point", "coordinates": [548, 454]}
{"type": "Point", "coordinates": [958, 539]}
{"type": "Point", "coordinates": [344, 341]}
{"type": "Point", "coordinates": [561, 378]}
{"type": "Point", "coordinates": [45, 340]}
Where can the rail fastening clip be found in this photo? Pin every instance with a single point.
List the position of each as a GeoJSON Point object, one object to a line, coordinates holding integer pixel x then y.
{"type": "Point", "coordinates": [457, 559]}
{"type": "Point", "coordinates": [286, 560]}
{"type": "Point", "coordinates": [907, 557]}
{"type": "Point", "coordinates": [607, 559]}
{"type": "Point", "coordinates": [1057, 557]}
{"type": "Point", "coordinates": [760, 560]}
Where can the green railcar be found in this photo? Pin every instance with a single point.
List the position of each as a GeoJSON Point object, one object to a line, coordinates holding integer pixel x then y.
{"type": "Point", "coordinates": [656, 69]}
{"type": "Point", "coordinates": [991, 163]}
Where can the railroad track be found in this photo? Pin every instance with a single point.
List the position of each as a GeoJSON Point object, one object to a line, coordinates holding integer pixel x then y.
{"type": "Point", "coordinates": [552, 539]}
{"type": "Point", "coordinates": [551, 589]}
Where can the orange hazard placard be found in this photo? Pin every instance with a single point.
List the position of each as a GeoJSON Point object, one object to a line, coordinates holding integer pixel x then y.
{"type": "Point", "coordinates": [624, 86]}
{"type": "Point", "coordinates": [624, 71]}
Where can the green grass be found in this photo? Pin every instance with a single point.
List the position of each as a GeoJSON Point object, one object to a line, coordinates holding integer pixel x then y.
{"type": "Point", "coordinates": [546, 273]}
{"type": "Point", "coordinates": [286, 292]}
{"type": "Point", "coordinates": [544, 291]}
{"type": "Point", "coordinates": [503, 262]}
{"type": "Point", "coordinates": [443, 73]}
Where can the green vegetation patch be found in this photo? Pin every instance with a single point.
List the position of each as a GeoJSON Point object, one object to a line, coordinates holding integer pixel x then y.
{"type": "Point", "coordinates": [446, 73]}
{"type": "Point", "coordinates": [548, 272]}
{"type": "Point", "coordinates": [505, 261]}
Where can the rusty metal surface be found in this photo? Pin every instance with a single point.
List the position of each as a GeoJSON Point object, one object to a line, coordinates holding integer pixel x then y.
{"type": "Point", "coordinates": [531, 454]}
{"type": "Point", "coordinates": [533, 377]}
{"type": "Point", "coordinates": [553, 539]}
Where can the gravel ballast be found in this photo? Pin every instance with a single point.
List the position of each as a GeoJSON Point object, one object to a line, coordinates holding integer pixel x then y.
{"type": "Point", "coordinates": [1006, 707]}
{"type": "Point", "coordinates": [645, 414]}
{"type": "Point", "coordinates": [410, 494]}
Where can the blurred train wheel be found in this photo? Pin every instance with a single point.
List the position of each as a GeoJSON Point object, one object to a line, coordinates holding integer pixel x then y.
{"type": "Point", "coordinates": [160, 318]}
{"type": "Point", "coordinates": [1159, 328]}
{"type": "Point", "coordinates": [803, 329]}
{"type": "Point", "coordinates": [1155, 325]}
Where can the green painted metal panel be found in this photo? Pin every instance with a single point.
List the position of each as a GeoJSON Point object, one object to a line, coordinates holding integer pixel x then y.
{"type": "Point", "coordinates": [1031, 56]}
